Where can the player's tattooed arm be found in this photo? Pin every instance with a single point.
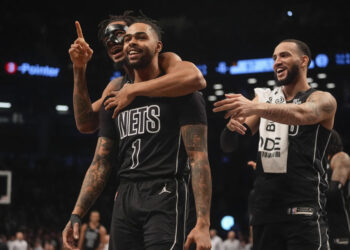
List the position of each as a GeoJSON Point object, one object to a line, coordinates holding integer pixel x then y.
{"type": "Point", "coordinates": [319, 107]}
{"type": "Point", "coordinates": [85, 118]}
{"type": "Point", "coordinates": [96, 176]}
{"type": "Point", "coordinates": [195, 141]}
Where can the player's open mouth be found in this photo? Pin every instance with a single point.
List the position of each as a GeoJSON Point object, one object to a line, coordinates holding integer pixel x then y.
{"type": "Point", "coordinates": [279, 71]}
{"type": "Point", "coordinates": [133, 53]}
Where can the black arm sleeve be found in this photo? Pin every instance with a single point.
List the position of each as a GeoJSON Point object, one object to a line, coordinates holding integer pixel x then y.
{"type": "Point", "coordinates": [107, 125]}
{"type": "Point", "coordinates": [191, 109]}
{"type": "Point", "coordinates": [229, 139]}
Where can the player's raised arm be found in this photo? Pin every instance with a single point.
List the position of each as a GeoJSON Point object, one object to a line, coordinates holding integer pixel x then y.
{"type": "Point", "coordinates": [80, 54]}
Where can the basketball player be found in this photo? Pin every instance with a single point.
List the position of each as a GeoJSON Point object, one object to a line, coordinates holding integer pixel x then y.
{"type": "Point", "coordinates": [92, 234]}
{"type": "Point", "coordinates": [180, 78]}
{"type": "Point", "coordinates": [294, 123]}
{"type": "Point", "coordinates": [338, 195]}
{"type": "Point", "coordinates": [151, 203]}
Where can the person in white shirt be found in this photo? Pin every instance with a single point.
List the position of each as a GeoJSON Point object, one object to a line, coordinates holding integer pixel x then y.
{"type": "Point", "coordinates": [231, 243]}
{"type": "Point", "coordinates": [216, 241]}
{"type": "Point", "coordinates": [19, 243]}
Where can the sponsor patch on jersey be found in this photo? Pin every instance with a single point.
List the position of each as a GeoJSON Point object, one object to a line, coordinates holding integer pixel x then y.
{"type": "Point", "coordinates": [309, 211]}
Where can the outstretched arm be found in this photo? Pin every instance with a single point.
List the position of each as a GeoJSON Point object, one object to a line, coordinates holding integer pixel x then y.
{"type": "Point", "coordinates": [195, 141]}
{"type": "Point", "coordinates": [320, 107]}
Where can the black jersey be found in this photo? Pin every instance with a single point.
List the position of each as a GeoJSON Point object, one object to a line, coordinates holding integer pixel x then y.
{"type": "Point", "coordinates": [91, 238]}
{"type": "Point", "coordinates": [148, 135]}
{"type": "Point", "coordinates": [300, 191]}
{"type": "Point", "coordinates": [338, 212]}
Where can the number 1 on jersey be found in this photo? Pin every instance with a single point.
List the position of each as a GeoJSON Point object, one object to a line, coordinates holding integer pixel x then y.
{"type": "Point", "coordinates": [136, 145]}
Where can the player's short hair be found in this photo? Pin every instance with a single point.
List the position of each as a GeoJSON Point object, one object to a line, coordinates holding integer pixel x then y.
{"type": "Point", "coordinates": [303, 47]}
{"type": "Point", "coordinates": [142, 18]}
{"type": "Point", "coordinates": [126, 17]}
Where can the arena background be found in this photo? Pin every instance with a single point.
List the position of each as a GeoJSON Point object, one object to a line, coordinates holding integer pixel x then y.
{"type": "Point", "coordinates": [48, 157]}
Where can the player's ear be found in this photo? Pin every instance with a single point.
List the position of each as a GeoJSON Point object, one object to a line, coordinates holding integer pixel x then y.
{"type": "Point", "coordinates": [305, 60]}
{"type": "Point", "coordinates": [159, 47]}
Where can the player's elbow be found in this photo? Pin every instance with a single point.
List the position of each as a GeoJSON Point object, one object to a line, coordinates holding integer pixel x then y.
{"type": "Point", "coordinates": [197, 80]}
{"type": "Point", "coordinates": [200, 81]}
{"type": "Point", "coordinates": [86, 128]}
{"type": "Point", "coordinates": [195, 76]}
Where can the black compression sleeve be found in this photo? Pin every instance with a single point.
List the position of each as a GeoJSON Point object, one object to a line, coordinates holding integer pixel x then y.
{"type": "Point", "coordinates": [229, 139]}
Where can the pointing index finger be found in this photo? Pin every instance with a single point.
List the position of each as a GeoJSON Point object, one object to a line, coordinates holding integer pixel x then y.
{"type": "Point", "coordinates": [79, 31]}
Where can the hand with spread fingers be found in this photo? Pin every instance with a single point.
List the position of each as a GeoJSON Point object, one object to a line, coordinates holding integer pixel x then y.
{"type": "Point", "coordinates": [236, 105]}
{"type": "Point", "coordinates": [119, 99]}
{"type": "Point", "coordinates": [80, 52]}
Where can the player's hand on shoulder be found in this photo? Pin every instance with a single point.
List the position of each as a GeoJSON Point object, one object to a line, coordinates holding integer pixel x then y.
{"type": "Point", "coordinates": [119, 99]}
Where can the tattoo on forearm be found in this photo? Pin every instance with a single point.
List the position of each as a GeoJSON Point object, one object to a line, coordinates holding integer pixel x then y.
{"type": "Point", "coordinates": [317, 107]}
{"type": "Point", "coordinates": [97, 175]}
{"type": "Point", "coordinates": [195, 137]}
{"type": "Point", "coordinates": [195, 140]}
{"type": "Point", "coordinates": [83, 112]}
{"type": "Point", "coordinates": [82, 109]}
{"type": "Point", "coordinates": [201, 185]}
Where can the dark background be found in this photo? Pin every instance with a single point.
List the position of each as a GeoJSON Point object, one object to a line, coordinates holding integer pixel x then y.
{"type": "Point", "coordinates": [46, 153]}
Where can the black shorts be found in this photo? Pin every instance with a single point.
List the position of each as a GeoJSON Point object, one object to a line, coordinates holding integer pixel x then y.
{"type": "Point", "coordinates": [149, 215]}
{"type": "Point", "coordinates": [302, 234]}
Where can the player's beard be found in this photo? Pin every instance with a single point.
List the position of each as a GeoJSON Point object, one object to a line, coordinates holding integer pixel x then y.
{"type": "Point", "coordinates": [144, 61]}
{"type": "Point", "coordinates": [292, 74]}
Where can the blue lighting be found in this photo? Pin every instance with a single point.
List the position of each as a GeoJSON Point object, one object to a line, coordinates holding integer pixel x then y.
{"type": "Point", "coordinates": [289, 13]}
{"type": "Point", "coordinates": [312, 64]}
{"type": "Point", "coordinates": [227, 222]}
{"type": "Point", "coordinates": [203, 68]}
{"type": "Point", "coordinates": [342, 59]}
{"type": "Point", "coordinates": [321, 60]}
{"type": "Point", "coordinates": [225, 159]}
{"type": "Point", "coordinates": [251, 66]}
{"type": "Point", "coordinates": [116, 74]}
{"type": "Point", "coordinates": [222, 68]}
{"type": "Point", "coordinates": [36, 70]}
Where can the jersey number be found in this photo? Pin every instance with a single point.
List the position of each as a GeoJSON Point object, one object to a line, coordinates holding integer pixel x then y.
{"type": "Point", "coordinates": [136, 145]}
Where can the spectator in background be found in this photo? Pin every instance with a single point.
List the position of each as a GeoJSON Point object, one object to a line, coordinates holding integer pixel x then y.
{"type": "Point", "coordinates": [19, 243]}
{"type": "Point", "coordinates": [106, 242]}
{"type": "Point", "coordinates": [216, 241]}
{"type": "Point", "coordinates": [92, 234]}
{"type": "Point", "coordinates": [231, 243]}
{"type": "Point", "coordinates": [3, 242]}
{"type": "Point", "coordinates": [38, 244]}
{"type": "Point", "coordinates": [244, 244]}
{"type": "Point", "coordinates": [10, 242]}
{"type": "Point", "coordinates": [48, 246]}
